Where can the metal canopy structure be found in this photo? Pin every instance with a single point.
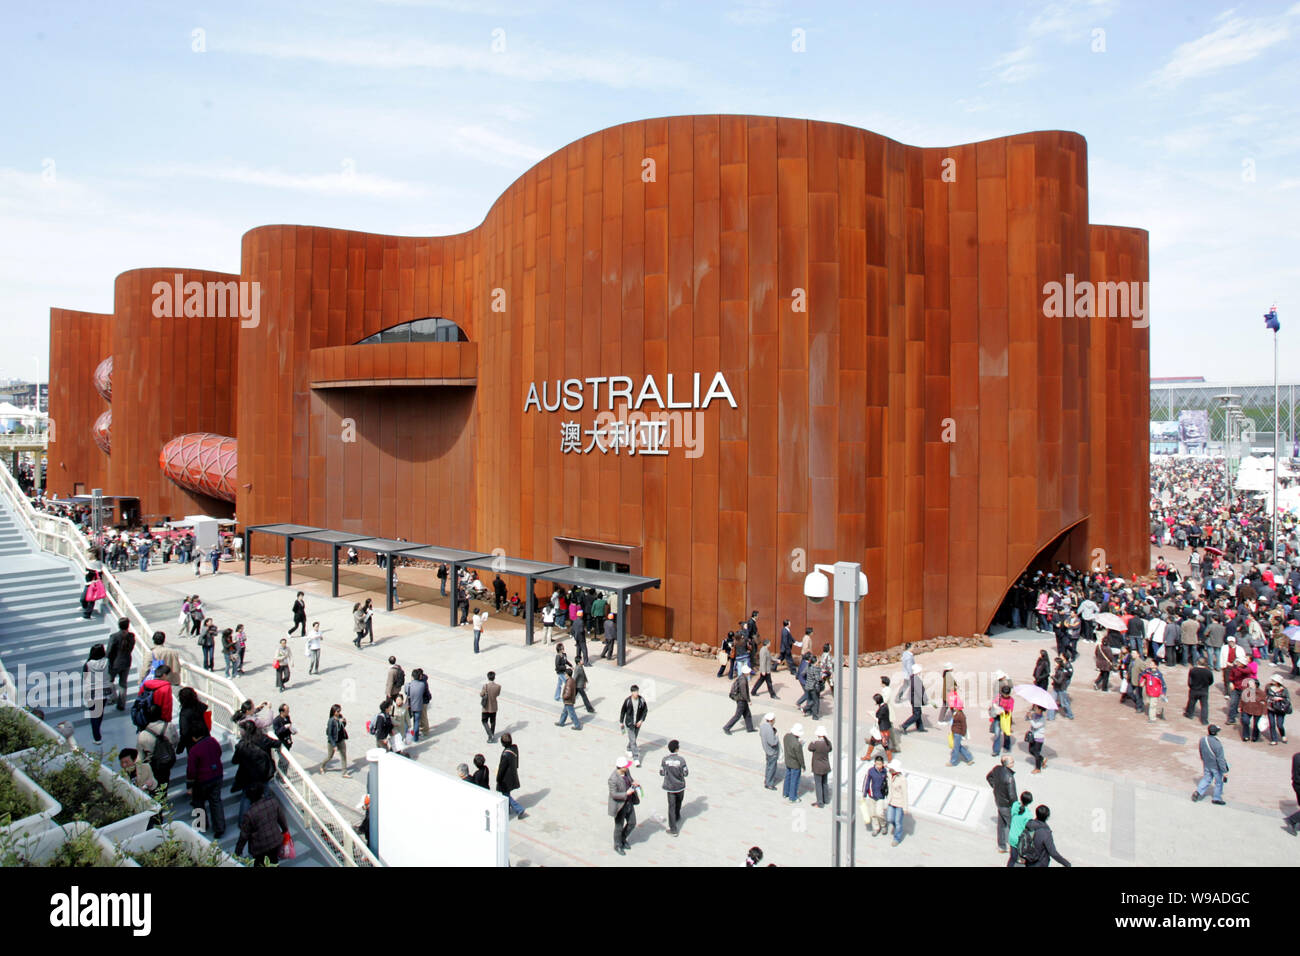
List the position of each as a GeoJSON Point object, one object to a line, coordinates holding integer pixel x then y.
{"type": "Point", "coordinates": [624, 585]}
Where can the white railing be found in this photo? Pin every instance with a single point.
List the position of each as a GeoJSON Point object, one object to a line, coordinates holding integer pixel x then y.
{"type": "Point", "coordinates": [60, 536]}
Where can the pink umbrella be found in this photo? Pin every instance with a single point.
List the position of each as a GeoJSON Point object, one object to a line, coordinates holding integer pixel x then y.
{"type": "Point", "coordinates": [1033, 694]}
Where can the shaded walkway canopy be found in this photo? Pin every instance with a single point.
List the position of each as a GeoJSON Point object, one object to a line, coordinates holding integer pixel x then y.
{"type": "Point", "coordinates": [624, 585]}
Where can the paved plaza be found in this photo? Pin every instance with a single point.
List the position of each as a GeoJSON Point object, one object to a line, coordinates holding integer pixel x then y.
{"type": "Point", "coordinates": [1118, 786]}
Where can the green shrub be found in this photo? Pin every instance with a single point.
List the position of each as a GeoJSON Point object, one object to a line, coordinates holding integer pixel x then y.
{"type": "Point", "coordinates": [174, 852]}
{"type": "Point", "coordinates": [14, 803]}
{"type": "Point", "coordinates": [81, 850]}
{"type": "Point", "coordinates": [77, 786]}
{"type": "Point", "coordinates": [16, 731]}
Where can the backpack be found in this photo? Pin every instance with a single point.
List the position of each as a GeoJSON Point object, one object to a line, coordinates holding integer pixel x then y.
{"type": "Point", "coordinates": [140, 708]}
{"type": "Point", "coordinates": [735, 689]}
{"type": "Point", "coordinates": [1025, 847]}
{"type": "Point", "coordinates": [163, 758]}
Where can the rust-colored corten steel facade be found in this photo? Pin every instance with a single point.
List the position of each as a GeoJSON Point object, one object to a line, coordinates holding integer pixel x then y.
{"type": "Point", "coordinates": [79, 341]}
{"type": "Point", "coordinates": [172, 374]}
{"type": "Point", "coordinates": [892, 391]}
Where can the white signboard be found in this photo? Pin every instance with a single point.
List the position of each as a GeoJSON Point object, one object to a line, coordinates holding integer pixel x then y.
{"type": "Point", "coordinates": [430, 818]}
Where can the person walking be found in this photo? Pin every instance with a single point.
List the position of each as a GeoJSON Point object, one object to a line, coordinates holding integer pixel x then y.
{"type": "Point", "coordinates": [916, 695]}
{"type": "Point", "coordinates": [548, 623]}
{"type": "Point", "coordinates": [812, 686]}
{"type": "Point", "coordinates": [561, 668]}
{"type": "Point", "coordinates": [1199, 681]}
{"type": "Point", "coordinates": [764, 670]}
{"type": "Point", "coordinates": [283, 660]}
{"type": "Point", "coordinates": [771, 742]}
{"type": "Point", "coordinates": [1105, 659]}
{"type": "Point", "coordinates": [396, 679]}
{"type": "Point", "coordinates": [897, 808]}
{"type": "Point", "coordinates": [262, 828]}
{"type": "Point", "coordinates": [382, 727]}
{"type": "Point", "coordinates": [1278, 700]}
{"type": "Point", "coordinates": [120, 647]}
{"type": "Point", "coordinates": [611, 637]}
{"type": "Point", "coordinates": [1042, 670]}
{"type": "Point", "coordinates": [568, 695]}
{"type": "Point", "coordinates": [820, 748]}
{"type": "Point", "coordinates": [314, 642]}
{"type": "Point", "coordinates": [481, 773]}
{"type": "Point", "coordinates": [1253, 707]}
{"type": "Point", "coordinates": [623, 799]}
{"type": "Point", "coordinates": [1214, 765]}
{"type": "Point", "coordinates": [299, 615]}
{"type": "Point", "coordinates": [674, 771]}
{"type": "Point", "coordinates": [908, 662]}
{"type": "Point", "coordinates": [508, 774]}
{"type": "Point", "coordinates": [229, 652]}
{"type": "Point", "coordinates": [580, 684]}
{"type": "Point", "coordinates": [957, 731]}
{"type": "Point", "coordinates": [336, 740]}
{"type": "Point", "coordinates": [787, 647]}
{"type": "Point", "coordinates": [1020, 817]}
{"type": "Point", "coordinates": [578, 630]}
{"type": "Point", "coordinates": [1037, 737]}
{"type": "Point", "coordinates": [160, 655]}
{"type": "Point", "coordinates": [792, 746]}
{"type": "Point", "coordinates": [1061, 678]}
{"type": "Point", "coordinates": [418, 698]}
{"type": "Point", "coordinates": [630, 717]}
{"type": "Point", "coordinates": [488, 696]}
{"type": "Point", "coordinates": [1153, 686]}
{"type": "Point", "coordinates": [241, 645]}
{"type": "Point", "coordinates": [875, 796]}
{"type": "Point", "coordinates": [480, 619]}
{"type": "Point", "coordinates": [1039, 846]}
{"type": "Point", "coordinates": [1001, 721]}
{"type": "Point", "coordinates": [1002, 779]}
{"type": "Point", "coordinates": [740, 694]}
{"type": "Point", "coordinates": [203, 778]}
{"type": "Point", "coordinates": [884, 722]}
{"type": "Point", "coordinates": [208, 643]}
{"type": "Point", "coordinates": [358, 624]}
{"type": "Point", "coordinates": [96, 689]}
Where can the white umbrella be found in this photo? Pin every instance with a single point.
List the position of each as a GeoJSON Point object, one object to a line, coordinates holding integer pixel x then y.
{"type": "Point", "coordinates": [1111, 622]}
{"type": "Point", "coordinates": [1033, 694]}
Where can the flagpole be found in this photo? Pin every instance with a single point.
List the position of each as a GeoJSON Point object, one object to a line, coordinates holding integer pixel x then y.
{"type": "Point", "coordinates": [1277, 464]}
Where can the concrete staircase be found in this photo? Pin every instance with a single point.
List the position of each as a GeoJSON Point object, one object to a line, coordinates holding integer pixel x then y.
{"type": "Point", "coordinates": [43, 635]}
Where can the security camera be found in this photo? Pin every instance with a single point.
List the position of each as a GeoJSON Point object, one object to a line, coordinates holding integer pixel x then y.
{"type": "Point", "coordinates": [816, 587]}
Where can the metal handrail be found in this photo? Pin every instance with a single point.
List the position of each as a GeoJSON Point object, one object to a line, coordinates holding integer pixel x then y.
{"type": "Point", "coordinates": [60, 536]}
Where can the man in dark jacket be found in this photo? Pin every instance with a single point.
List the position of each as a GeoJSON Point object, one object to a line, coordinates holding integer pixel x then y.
{"type": "Point", "coordinates": [508, 774]}
{"type": "Point", "coordinates": [673, 769]}
{"type": "Point", "coordinates": [120, 646]}
{"type": "Point", "coordinates": [916, 694]}
{"type": "Point", "coordinates": [740, 694]}
{"type": "Point", "coordinates": [787, 647]}
{"type": "Point", "coordinates": [1042, 848]}
{"type": "Point", "coordinates": [623, 799]}
{"type": "Point", "coordinates": [1214, 764]}
{"type": "Point", "coordinates": [611, 637]}
{"type": "Point", "coordinates": [630, 717]}
{"type": "Point", "coordinates": [1199, 681]}
{"type": "Point", "coordinates": [1002, 779]}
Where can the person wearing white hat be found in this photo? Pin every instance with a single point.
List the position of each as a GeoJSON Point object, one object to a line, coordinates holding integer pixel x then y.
{"type": "Point", "coordinates": [897, 808]}
{"type": "Point", "coordinates": [740, 694]}
{"type": "Point", "coordinates": [771, 750]}
{"type": "Point", "coordinates": [820, 748]}
{"type": "Point", "coordinates": [1279, 705]}
{"type": "Point", "coordinates": [793, 751]}
{"type": "Point", "coordinates": [623, 798]}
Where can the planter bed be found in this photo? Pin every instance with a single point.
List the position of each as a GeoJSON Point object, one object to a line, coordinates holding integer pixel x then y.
{"type": "Point", "coordinates": [89, 792]}
{"type": "Point", "coordinates": [74, 845]}
{"type": "Point", "coordinates": [20, 730]}
{"type": "Point", "coordinates": [27, 806]}
{"type": "Point", "coordinates": [176, 844]}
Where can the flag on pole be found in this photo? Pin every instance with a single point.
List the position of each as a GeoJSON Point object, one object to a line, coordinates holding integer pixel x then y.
{"type": "Point", "coordinates": [1270, 320]}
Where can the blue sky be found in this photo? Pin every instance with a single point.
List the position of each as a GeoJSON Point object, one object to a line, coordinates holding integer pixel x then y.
{"type": "Point", "coordinates": [125, 147]}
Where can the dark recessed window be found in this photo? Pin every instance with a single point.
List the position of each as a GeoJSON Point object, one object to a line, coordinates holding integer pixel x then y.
{"type": "Point", "coordinates": [421, 330]}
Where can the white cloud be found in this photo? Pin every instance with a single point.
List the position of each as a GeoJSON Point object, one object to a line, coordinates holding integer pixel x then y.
{"type": "Point", "coordinates": [519, 60]}
{"type": "Point", "coordinates": [1238, 40]}
{"type": "Point", "coordinates": [347, 181]}
{"type": "Point", "coordinates": [1069, 19]}
{"type": "Point", "coordinates": [1016, 66]}
{"type": "Point", "coordinates": [495, 147]}
{"type": "Point", "coordinates": [754, 12]}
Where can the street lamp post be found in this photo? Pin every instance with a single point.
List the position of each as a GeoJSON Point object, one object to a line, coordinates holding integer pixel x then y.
{"type": "Point", "coordinates": [850, 587]}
